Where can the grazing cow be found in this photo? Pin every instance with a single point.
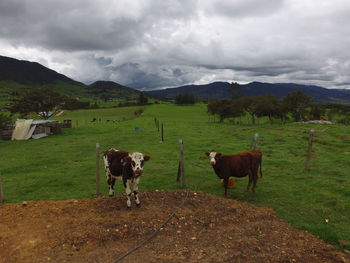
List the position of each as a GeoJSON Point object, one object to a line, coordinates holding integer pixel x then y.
{"type": "Point", "coordinates": [236, 165]}
{"type": "Point", "coordinates": [127, 167]}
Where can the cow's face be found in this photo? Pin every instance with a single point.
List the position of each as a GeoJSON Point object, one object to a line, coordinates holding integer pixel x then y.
{"type": "Point", "coordinates": [213, 157]}
{"type": "Point", "coordinates": [137, 161]}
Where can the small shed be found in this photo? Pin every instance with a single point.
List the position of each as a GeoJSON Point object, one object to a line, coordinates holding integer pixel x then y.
{"type": "Point", "coordinates": [26, 129]}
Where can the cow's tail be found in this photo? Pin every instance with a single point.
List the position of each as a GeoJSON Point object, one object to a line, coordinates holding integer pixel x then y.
{"type": "Point", "coordinates": [260, 168]}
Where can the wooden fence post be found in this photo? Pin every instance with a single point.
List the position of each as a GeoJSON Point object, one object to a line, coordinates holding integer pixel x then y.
{"type": "Point", "coordinates": [255, 142]}
{"type": "Point", "coordinates": [97, 170]}
{"type": "Point", "coordinates": [181, 168]}
{"type": "Point", "coordinates": [1, 191]}
{"type": "Point", "coordinates": [309, 151]}
{"type": "Point", "coordinates": [162, 133]}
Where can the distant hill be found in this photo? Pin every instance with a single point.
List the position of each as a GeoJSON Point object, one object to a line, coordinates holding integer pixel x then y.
{"type": "Point", "coordinates": [280, 90]}
{"type": "Point", "coordinates": [110, 89]}
{"type": "Point", "coordinates": [22, 71]}
{"type": "Point", "coordinates": [17, 76]}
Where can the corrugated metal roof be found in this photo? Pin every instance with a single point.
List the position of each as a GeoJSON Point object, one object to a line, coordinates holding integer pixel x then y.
{"type": "Point", "coordinates": [35, 122]}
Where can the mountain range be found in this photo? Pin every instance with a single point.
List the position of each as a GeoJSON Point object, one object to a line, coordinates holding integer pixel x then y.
{"type": "Point", "coordinates": [280, 90]}
{"type": "Point", "coordinates": [17, 76]}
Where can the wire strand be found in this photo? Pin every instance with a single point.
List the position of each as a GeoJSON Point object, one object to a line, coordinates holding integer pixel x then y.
{"type": "Point", "coordinates": [153, 234]}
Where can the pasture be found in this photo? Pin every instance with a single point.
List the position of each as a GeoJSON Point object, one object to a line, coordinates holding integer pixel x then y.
{"type": "Point", "coordinates": [63, 166]}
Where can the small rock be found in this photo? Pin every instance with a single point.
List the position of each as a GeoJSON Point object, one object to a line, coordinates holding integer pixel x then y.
{"type": "Point", "coordinates": [24, 203]}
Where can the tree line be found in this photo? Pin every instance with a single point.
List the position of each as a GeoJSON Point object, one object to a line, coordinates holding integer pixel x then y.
{"type": "Point", "coordinates": [46, 103]}
{"type": "Point", "coordinates": [296, 105]}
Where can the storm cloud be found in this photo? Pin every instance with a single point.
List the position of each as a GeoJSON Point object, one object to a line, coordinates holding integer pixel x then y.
{"type": "Point", "coordinates": [149, 44]}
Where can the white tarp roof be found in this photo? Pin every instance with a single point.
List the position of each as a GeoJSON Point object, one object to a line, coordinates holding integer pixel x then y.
{"type": "Point", "coordinates": [24, 129]}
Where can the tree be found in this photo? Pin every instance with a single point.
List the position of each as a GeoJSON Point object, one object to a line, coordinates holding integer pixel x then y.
{"type": "Point", "coordinates": [74, 104]}
{"type": "Point", "coordinates": [297, 104]}
{"type": "Point", "coordinates": [42, 101]}
{"type": "Point", "coordinates": [249, 105]}
{"type": "Point", "coordinates": [142, 100]}
{"type": "Point", "coordinates": [184, 99]}
{"type": "Point", "coordinates": [235, 90]}
{"type": "Point", "coordinates": [225, 108]}
{"type": "Point", "coordinates": [4, 120]}
{"type": "Point", "coordinates": [317, 111]}
{"type": "Point", "coordinates": [266, 105]}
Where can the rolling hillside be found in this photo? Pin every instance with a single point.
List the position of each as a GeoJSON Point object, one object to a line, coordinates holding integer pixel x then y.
{"type": "Point", "coordinates": [110, 89]}
{"type": "Point", "coordinates": [280, 90]}
{"type": "Point", "coordinates": [17, 76]}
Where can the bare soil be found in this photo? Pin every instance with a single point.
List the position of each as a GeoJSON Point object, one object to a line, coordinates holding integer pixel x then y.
{"type": "Point", "coordinates": [206, 228]}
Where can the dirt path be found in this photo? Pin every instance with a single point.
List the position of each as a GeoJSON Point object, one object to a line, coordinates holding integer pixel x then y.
{"type": "Point", "coordinates": [206, 229]}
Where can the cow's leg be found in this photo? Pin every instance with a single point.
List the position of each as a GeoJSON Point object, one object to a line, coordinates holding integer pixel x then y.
{"type": "Point", "coordinates": [249, 182]}
{"type": "Point", "coordinates": [128, 193]}
{"type": "Point", "coordinates": [226, 185]}
{"type": "Point", "coordinates": [109, 177]}
{"type": "Point", "coordinates": [255, 179]}
{"type": "Point", "coordinates": [111, 183]}
{"type": "Point", "coordinates": [136, 192]}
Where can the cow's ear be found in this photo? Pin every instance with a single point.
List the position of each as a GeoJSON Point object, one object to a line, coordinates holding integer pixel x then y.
{"type": "Point", "coordinates": [127, 159]}
{"type": "Point", "coordinates": [206, 153]}
{"type": "Point", "coordinates": [146, 158]}
{"type": "Point", "coordinates": [218, 155]}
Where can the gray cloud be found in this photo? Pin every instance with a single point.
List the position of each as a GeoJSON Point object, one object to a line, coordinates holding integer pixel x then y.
{"type": "Point", "coordinates": [160, 43]}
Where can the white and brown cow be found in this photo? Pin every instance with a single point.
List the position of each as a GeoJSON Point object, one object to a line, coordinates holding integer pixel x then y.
{"type": "Point", "coordinates": [127, 167]}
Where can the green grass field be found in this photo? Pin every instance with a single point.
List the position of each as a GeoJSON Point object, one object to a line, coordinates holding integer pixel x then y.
{"type": "Point", "coordinates": [63, 166]}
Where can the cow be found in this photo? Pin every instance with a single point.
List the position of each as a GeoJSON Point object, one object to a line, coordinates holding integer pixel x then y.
{"type": "Point", "coordinates": [236, 165]}
{"type": "Point", "coordinates": [125, 166]}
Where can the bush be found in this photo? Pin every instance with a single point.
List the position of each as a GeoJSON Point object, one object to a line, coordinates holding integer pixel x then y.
{"type": "Point", "coordinates": [184, 99]}
{"type": "Point", "coordinates": [4, 120]}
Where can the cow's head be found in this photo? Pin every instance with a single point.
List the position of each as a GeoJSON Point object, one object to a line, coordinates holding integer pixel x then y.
{"type": "Point", "coordinates": [213, 157]}
{"type": "Point", "coordinates": [136, 160]}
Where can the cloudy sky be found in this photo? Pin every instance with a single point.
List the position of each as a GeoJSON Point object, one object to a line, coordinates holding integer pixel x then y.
{"type": "Point", "coordinates": [150, 44]}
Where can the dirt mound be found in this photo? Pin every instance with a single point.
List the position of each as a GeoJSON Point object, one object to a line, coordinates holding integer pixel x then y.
{"type": "Point", "coordinates": [207, 228]}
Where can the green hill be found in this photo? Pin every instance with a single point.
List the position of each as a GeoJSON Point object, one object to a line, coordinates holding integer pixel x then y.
{"type": "Point", "coordinates": [110, 90]}
{"type": "Point", "coordinates": [17, 76]}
